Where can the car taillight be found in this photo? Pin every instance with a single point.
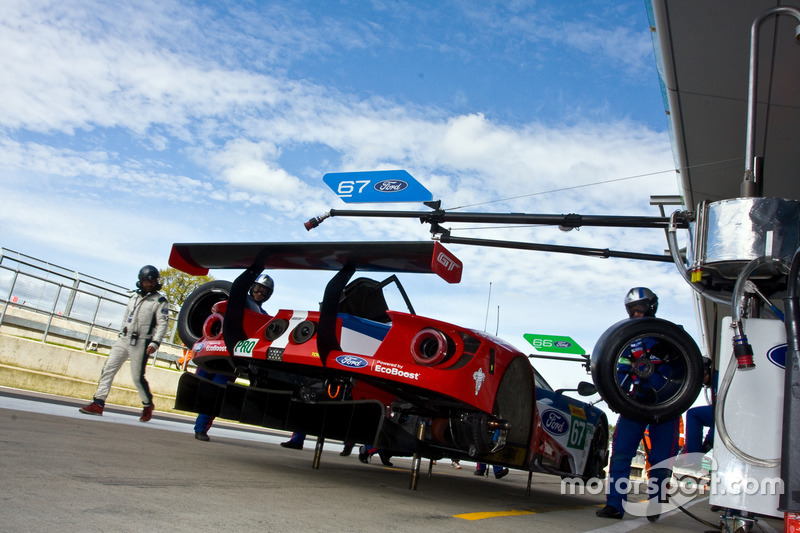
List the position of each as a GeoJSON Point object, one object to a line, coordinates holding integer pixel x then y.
{"type": "Point", "coordinates": [304, 331]}
{"type": "Point", "coordinates": [430, 347]}
{"type": "Point", "coordinates": [212, 327]}
{"type": "Point", "coordinates": [276, 328]}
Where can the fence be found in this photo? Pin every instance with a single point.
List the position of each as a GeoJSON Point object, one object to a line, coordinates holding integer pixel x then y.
{"type": "Point", "coordinates": [65, 306]}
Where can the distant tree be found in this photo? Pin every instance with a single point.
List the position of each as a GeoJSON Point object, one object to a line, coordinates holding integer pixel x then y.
{"type": "Point", "coordinates": [177, 285]}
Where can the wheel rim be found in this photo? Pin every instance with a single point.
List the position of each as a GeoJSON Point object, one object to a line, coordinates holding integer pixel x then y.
{"type": "Point", "coordinates": [652, 370]}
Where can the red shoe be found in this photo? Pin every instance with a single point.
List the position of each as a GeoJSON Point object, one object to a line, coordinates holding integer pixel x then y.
{"type": "Point", "coordinates": [147, 413]}
{"type": "Point", "coordinates": [92, 409]}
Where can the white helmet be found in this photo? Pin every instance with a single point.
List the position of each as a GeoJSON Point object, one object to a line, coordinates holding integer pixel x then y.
{"type": "Point", "coordinates": [641, 297]}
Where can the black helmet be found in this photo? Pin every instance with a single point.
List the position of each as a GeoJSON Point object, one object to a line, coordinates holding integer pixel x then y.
{"type": "Point", "coordinates": [641, 297]}
{"type": "Point", "coordinates": [265, 281]}
{"type": "Point", "coordinates": [149, 273]}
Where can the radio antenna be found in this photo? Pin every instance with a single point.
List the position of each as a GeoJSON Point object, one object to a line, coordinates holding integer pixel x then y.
{"type": "Point", "coordinates": [488, 301]}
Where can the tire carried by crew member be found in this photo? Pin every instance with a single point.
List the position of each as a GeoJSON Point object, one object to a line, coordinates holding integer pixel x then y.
{"type": "Point", "coordinates": [197, 308]}
{"type": "Point", "coordinates": [647, 389]}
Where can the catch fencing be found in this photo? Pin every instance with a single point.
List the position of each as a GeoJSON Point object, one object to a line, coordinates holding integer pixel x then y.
{"type": "Point", "coordinates": [54, 304]}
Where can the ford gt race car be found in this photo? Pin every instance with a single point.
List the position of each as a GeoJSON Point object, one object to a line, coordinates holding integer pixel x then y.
{"type": "Point", "coordinates": [356, 371]}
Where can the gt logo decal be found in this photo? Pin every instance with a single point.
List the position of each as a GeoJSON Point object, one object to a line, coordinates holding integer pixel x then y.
{"type": "Point", "coordinates": [244, 348]}
{"type": "Point", "coordinates": [446, 262]}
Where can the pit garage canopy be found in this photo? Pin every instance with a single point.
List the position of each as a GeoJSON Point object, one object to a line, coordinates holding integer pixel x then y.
{"type": "Point", "coordinates": [703, 53]}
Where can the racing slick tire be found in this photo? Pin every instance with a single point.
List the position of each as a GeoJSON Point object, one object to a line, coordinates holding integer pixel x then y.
{"type": "Point", "coordinates": [666, 384]}
{"type": "Point", "coordinates": [598, 452]}
{"type": "Point", "coordinates": [197, 307]}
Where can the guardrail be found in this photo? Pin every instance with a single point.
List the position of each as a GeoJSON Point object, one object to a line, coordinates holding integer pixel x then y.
{"type": "Point", "coordinates": [67, 307]}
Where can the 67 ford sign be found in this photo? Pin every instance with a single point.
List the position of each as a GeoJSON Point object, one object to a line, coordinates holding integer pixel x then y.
{"type": "Point", "coordinates": [377, 186]}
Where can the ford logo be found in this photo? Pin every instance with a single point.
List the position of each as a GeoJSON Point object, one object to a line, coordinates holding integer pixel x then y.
{"type": "Point", "coordinates": [554, 422]}
{"type": "Point", "coordinates": [777, 355]}
{"type": "Point", "coordinates": [351, 361]}
{"type": "Point", "coordinates": [390, 186]}
{"type": "Point", "coordinates": [562, 344]}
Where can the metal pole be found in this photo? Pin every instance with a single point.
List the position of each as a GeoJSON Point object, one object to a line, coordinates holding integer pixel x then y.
{"type": "Point", "coordinates": [52, 313]}
{"type": "Point", "coordinates": [91, 326]}
{"type": "Point", "coordinates": [318, 452]}
{"type": "Point", "coordinates": [10, 292]}
{"type": "Point", "coordinates": [749, 186]}
{"type": "Point", "coordinates": [417, 459]}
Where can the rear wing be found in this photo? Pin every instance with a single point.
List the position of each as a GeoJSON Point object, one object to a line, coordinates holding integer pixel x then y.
{"type": "Point", "coordinates": [406, 256]}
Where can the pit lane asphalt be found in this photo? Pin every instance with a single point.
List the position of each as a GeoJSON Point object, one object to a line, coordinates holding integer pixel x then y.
{"type": "Point", "coordinates": [63, 471]}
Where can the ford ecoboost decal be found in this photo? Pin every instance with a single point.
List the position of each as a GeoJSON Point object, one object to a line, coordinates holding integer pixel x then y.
{"type": "Point", "coordinates": [351, 361]}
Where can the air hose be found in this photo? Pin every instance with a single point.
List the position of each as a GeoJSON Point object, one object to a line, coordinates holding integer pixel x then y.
{"type": "Point", "coordinates": [740, 345]}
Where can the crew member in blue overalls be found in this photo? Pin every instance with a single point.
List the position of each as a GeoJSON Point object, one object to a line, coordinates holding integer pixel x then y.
{"type": "Point", "coordinates": [639, 302]}
{"type": "Point", "coordinates": [260, 292]}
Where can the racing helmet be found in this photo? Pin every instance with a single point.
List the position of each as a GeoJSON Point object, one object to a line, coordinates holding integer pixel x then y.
{"type": "Point", "coordinates": [641, 297]}
{"type": "Point", "coordinates": [149, 273]}
{"type": "Point", "coordinates": [265, 281]}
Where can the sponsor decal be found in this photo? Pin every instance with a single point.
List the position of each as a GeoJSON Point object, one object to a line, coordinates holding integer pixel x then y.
{"type": "Point", "coordinates": [577, 434]}
{"type": "Point", "coordinates": [446, 265]}
{"type": "Point", "coordinates": [390, 186]}
{"type": "Point", "coordinates": [351, 361]}
{"type": "Point", "coordinates": [555, 422]}
{"type": "Point", "coordinates": [393, 369]}
{"type": "Point", "coordinates": [245, 348]}
{"type": "Point", "coordinates": [577, 412]}
{"type": "Point", "coordinates": [479, 377]}
{"type": "Point", "coordinates": [777, 355]}
{"type": "Point", "coordinates": [216, 347]}
{"type": "Point", "coordinates": [197, 347]}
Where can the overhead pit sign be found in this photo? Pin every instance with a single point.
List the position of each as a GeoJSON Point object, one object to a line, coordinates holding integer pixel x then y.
{"type": "Point", "coordinates": [554, 344]}
{"type": "Point", "coordinates": [377, 186]}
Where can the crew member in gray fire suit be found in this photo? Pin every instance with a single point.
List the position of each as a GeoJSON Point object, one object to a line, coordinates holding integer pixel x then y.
{"type": "Point", "coordinates": [143, 328]}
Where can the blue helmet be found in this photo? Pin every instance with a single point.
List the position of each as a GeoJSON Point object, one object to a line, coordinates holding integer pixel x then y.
{"type": "Point", "coordinates": [265, 281]}
{"type": "Point", "coordinates": [641, 297]}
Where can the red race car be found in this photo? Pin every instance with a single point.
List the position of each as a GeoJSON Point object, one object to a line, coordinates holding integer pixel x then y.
{"type": "Point", "coordinates": [356, 371]}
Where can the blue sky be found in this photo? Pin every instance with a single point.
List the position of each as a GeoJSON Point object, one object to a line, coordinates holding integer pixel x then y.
{"type": "Point", "coordinates": [127, 126]}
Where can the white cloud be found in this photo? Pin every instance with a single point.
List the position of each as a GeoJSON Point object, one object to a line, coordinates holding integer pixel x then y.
{"type": "Point", "coordinates": [125, 127]}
